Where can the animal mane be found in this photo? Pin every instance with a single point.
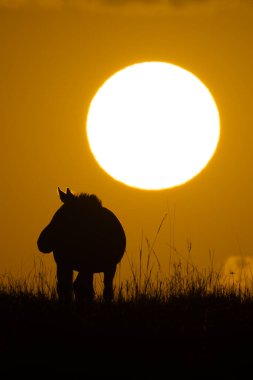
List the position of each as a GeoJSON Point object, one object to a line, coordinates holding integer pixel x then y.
{"type": "Point", "coordinates": [90, 200]}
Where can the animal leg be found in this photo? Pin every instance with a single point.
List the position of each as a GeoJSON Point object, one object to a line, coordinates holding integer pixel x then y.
{"type": "Point", "coordinates": [64, 284]}
{"type": "Point", "coordinates": [83, 288]}
{"type": "Point", "coordinates": [108, 284]}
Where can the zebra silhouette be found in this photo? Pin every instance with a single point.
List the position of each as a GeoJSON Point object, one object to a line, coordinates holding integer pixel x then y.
{"type": "Point", "coordinates": [85, 237]}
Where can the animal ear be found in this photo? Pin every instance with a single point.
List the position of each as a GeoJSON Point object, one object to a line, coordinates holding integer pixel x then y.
{"type": "Point", "coordinates": [63, 196]}
{"type": "Point", "coordinates": [70, 194]}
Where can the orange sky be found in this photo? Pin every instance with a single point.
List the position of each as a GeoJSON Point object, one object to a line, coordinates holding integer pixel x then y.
{"type": "Point", "coordinates": [55, 55]}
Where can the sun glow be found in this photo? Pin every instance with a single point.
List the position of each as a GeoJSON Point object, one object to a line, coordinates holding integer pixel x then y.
{"type": "Point", "coordinates": [153, 125]}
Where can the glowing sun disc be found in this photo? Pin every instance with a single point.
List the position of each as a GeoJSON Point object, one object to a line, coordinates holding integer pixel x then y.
{"type": "Point", "coordinates": [153, 125]}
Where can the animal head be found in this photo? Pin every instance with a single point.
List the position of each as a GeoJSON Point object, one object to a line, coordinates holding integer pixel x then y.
{"type": "Point", "coordinates": [88, 200]}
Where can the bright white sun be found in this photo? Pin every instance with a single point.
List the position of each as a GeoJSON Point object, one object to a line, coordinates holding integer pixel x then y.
{"type": "Point", "coordinates": [153, 125]}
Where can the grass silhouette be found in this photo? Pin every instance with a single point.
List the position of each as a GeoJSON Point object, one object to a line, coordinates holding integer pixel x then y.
{"type": "Point", "coordinates": [190, 317]}
{"type": "Point", "coordinates": [183, 319]}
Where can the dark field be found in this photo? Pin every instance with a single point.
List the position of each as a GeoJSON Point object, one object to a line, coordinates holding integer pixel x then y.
{"type": "Point", "coordinates": [191, 330]}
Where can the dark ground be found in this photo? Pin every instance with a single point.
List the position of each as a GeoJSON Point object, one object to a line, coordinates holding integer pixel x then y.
{"type": "Point", "coordinates": [185, 335]}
